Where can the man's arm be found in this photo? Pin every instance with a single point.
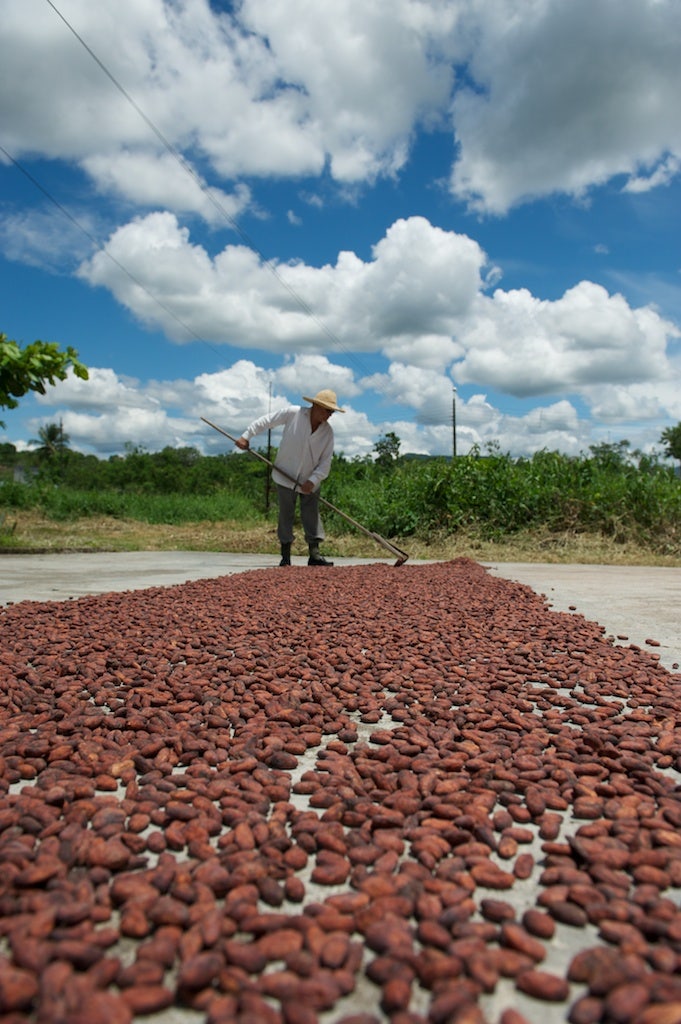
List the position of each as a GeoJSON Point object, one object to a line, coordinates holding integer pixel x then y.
{"type": "Point", "coordinates": [323, 467]}
{"type": "Point", "coordinates": [259, 426]}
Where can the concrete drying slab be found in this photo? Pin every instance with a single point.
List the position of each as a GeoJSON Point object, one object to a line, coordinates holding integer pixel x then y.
{"type": "Point", "coordinates": [58, 577]}
{"type": "Point", "coordinates": [636, 604]}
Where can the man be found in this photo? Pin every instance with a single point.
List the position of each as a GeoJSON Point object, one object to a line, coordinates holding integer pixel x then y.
{"type": "Point", "coordinates": [303, 461]}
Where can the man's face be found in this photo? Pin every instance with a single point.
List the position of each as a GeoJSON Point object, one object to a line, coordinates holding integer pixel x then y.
{"type": "Point", "coordinates": [320, 415]}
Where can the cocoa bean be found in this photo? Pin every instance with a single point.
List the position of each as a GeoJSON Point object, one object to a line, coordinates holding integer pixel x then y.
{"type": "Point", "coordinates": [395, 995]}
{"type": "Point", "coordinates": [432, 933]}
{"type": "Point", "coordinates": [515, 936]}
{"type": "Point", "coordinates": [510, 1016]}
{"type": "Point", "coordinates": [147, 999]}
{"type": "Point", "coordinates": [586, 1010]}
{"type": "Point", "coordinates": [18, 988]}
{"type": "Point", "coordinates": [625, 1002]}
{"type": "Point", "coordinates": [543, 985]}
{"type": "Point", "coordinates": [496, 910]}
{"type": "Point", "coordinates": [538, 923]}
{"type": "Point", "coordinates": [142, 973]}
{"type": "Point", "coordinates": [335, 951]}
{"type": "Point", "coordinates": [489, 876]}
{"type": "Point", "coordinates": [661, 1014]}
{"type": "Point", "coordinates": [331, 869]}
{"type": "Point", "coordinates": [483, 968]}
{"type": "Point", "coordinates": [199, 971]}
{"type": "Point", "coordinates": [279, 944]}
{"type": "Point", "coordinates": [510, 962]}
{"type": "Point", "coordinates": [568, 913]}
{"type": "Point", "coordinates": [524, 866]}
{"type": "Point", "coordinates": [246, 955]}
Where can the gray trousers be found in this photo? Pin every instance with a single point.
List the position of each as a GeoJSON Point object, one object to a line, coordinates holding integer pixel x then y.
{"type": "Point", "coordinates": [309, 515]}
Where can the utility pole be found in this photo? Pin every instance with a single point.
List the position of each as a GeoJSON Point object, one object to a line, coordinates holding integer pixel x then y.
{"type": "Point", "coordinates": [454, 422]}
{"type": "Point", "coordinates": [269, 457]}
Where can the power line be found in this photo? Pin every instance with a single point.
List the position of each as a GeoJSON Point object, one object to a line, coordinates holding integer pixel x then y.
{"type": "Point", "coordinates": [186, 166]}
{"type": "Point", "coordinates": [101, 248]}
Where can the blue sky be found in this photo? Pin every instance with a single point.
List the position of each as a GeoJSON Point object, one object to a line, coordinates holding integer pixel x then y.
{"type": "Point", "coordinates": [225, 207]}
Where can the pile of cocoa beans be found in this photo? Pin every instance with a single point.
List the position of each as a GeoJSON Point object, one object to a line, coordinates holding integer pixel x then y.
{"type": "Point", "coordinates": [373, 793]}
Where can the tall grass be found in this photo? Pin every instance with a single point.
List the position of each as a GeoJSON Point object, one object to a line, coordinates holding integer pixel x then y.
{"type": "Point", "coordinates": [499, 496]}
{"type": "Point", "coordinates": [64, 504]}
{"type": "Point", "coordinates": [604, 494]}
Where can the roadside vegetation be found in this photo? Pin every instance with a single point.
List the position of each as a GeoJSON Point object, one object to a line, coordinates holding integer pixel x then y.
{"type": "Point", "coordinates": [607, 505]}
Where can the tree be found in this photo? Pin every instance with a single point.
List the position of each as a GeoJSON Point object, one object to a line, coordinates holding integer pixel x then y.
{"type": "Point", "coordinates": [387, 449]}
{"type": "Point", "coordinates": [32, 368]}
{"type": "Point", "coordinates": [53, 441]}
{"type": "Point", "coordinates": [609, 454]}
{"type": "Point", "coordinates": [8, 454]}
{"type": "Point", "coordinates": [671, 439]}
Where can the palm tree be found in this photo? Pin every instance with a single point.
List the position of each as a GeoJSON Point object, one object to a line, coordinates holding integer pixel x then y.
{"type": "Point", "coordinates": [53, 441]}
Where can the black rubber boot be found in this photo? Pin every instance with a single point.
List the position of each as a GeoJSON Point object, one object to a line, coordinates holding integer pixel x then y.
{"type": "Point", "coordinates": [285, 554]}
{"type": "Point", "coordinates": [315, 558]}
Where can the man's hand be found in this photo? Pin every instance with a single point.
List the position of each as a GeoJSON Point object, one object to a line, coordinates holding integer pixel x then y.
{"type": "Point", "coordinates": [242, 442]}
{"type": "Point", "coordinates": [307, 487]}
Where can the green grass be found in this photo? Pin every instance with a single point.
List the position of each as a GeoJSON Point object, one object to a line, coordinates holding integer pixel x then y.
{"type": "Point", "coordinates": [34, 532]}
{"type": "Point", "coordinates": [550, 504]}
{"type": "Point", "coordinates": [63, 504]}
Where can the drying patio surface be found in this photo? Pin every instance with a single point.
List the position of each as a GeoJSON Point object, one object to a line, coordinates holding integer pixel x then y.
{"type": "Point", "coordinates": [372, 793]}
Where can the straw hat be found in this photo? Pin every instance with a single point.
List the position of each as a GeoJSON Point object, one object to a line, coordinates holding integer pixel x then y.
{"type": "Point", "coordinates": [325, 398]}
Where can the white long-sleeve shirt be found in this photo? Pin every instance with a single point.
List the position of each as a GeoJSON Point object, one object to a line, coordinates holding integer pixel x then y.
{"type": "Point", "coordinates": [303, 455]}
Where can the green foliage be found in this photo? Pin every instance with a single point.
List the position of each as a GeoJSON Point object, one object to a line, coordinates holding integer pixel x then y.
{"type": "Point", "coordinates": [32, 368]}
{"type": "Point", "coordinates": [8, 454]}
{"type": "Point", "coordinates": [604, 493]}
{"type": "Point", "coordinates": [53, 442]}
{"type": "Point", "coordinates": [671, 439]}
{"type": "Point", "coordinates": [610, 491]}
{"type": "Point", "coordinates": [172, 471]}
{"type": "Point", "coordinates": [387, 450]}
{"type": "Point", "coordinates": [63, 504]}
